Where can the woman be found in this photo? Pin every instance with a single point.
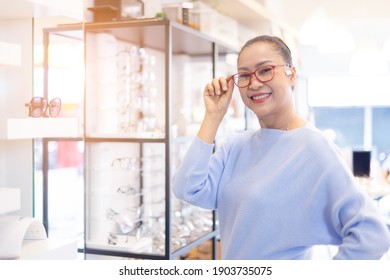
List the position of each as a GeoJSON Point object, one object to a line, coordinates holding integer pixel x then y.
{"type": "Point", "coordinates": [284, 188]}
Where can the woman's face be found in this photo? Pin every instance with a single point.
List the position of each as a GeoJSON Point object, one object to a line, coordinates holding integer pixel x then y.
{"type": "Point", "coordinates": [269, 99]}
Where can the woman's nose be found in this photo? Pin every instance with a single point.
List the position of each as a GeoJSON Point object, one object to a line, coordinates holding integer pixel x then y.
{"type": "Point", "coordinates": [254, 82]}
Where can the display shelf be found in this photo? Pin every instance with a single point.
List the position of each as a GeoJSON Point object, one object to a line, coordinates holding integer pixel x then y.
{"type": "Point", "coordinates": [142, 79]}
{"type": "Point", "coordinates": [25, 128]}
{"type": "Point", "coordinates": [137, 136]}
{"type": "Point", "coordinates": [131, 127]}
{"type": "Point", "coordinates": [185, 249]}
{"type": "Point", "coordinates": [49, 249]}
{"type": "Point", "coordinates": [187, 40]}
{"type": "Point", "coordinates": [9, 200]}
{"type": "Point", "coordinates": [111, 250]}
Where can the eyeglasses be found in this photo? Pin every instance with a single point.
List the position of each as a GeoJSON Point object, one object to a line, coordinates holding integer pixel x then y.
{"type": "Point", "coordinates": [263, 74]}
{"type": "Point", "coordinates": [38, 107]}
{"type": "Point", "coordinates": [126, 163]}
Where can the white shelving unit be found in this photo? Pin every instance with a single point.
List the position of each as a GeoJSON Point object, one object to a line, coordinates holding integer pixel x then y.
{"type": "Point", "coordinates": [25, 128]}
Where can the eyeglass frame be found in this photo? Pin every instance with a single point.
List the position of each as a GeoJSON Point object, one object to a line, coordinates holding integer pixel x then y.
{"type": "Point", "coordinates": [234, 77]}
{"type": "Point", "coordinates": [44, 105]}
{"type": "Point", "coordinates": [126, 163]}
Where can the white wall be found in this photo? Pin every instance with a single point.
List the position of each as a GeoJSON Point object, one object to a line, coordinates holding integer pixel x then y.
{"type": "Point", "coordinates": [16, 160]}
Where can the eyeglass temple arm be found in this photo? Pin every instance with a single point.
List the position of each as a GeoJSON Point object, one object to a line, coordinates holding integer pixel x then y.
{"type": "Point", "coordinates": [230, 77]}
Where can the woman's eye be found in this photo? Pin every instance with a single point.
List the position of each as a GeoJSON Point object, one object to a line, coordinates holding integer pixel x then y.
{"type": "Point", "coordinates": [244, 75]}
{"type": "Point", "coordinates": [264, 70]}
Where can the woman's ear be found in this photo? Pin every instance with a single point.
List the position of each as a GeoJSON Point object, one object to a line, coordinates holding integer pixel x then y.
{"type": "Point", "coordinates": [292, 73]}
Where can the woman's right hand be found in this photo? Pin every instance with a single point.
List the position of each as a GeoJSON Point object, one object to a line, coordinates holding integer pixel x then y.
{"type": "Point", "coordinates": [217, 96]}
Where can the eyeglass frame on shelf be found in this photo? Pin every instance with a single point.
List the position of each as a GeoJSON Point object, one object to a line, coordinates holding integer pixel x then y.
{"type": "Point", "coordinates": [42, 104]}
{"type": "Point", "coordinates": [236, 76]}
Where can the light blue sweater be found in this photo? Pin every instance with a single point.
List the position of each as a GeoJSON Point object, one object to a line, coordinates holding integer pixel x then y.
{"type": "Point", "coordinates": [278, 193]}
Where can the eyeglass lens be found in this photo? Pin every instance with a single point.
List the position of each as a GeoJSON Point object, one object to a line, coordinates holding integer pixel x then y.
{"type": "Point", "coordinates": [54, 107]}
{"type": "Point", "coordinates": [38, 106]}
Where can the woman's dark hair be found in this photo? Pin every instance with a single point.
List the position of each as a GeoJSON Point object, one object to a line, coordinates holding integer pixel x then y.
{"type": "Point", "coordinates": [278, 44]}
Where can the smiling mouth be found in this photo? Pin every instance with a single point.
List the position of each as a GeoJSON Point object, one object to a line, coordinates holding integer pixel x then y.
{"type": "Point", "coordinates": [260, 97]}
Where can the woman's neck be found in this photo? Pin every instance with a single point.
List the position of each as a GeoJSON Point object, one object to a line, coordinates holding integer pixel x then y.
{"type": "Point", "coordinates": [287, 122]}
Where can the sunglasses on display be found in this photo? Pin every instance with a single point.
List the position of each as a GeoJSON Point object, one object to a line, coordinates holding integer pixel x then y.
{"type": "Point", "coordinates": [38, 107]}
{"type": "Point", "coordinates": [263, 74]}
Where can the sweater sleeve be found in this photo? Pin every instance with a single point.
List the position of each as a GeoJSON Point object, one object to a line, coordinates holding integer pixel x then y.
{"type": "Point", "coordinates": [196, 179]}
{"type": "Point", "coordinates": [356, 218]}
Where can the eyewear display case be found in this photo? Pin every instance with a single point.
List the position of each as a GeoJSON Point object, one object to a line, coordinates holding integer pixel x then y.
{"type": "Point", "coordinates": [144, 81]}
